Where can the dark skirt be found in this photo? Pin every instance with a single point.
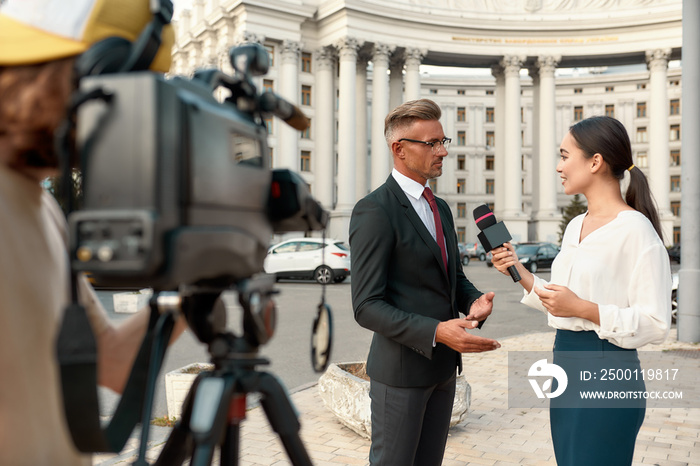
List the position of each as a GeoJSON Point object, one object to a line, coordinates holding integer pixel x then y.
{"type": "Point", "coordinates": [602, 432]}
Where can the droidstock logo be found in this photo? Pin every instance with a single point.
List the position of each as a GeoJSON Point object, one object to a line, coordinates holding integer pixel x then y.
{"type": "Point", "coordinates": [543, 369]}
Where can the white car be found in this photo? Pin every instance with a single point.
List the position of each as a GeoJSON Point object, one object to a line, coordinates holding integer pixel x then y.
{"type": "Point", "coordinates": [308, 258]}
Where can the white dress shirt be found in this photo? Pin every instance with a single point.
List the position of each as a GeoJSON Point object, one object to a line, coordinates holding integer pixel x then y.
{"type": "Point", "coordinates": [624, 268]}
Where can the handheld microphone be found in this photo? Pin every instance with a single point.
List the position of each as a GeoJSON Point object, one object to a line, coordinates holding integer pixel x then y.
{"type": "Point", "coordinates": [493, 234]}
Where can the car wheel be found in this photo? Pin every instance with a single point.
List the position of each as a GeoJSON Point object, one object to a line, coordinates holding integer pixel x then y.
{"type": "Point", "coordinates": [482, 257]}
{"type": "Point", "coordinates": [340, 279]}
{"type": "Point", "coordinates": [323, 275]}
{"type": "Point", "coordinates": [533, 267]}
{"type": "Point", "coordinates": [674, 305]}
{"type": "Point", "coordinates": [465, 260]}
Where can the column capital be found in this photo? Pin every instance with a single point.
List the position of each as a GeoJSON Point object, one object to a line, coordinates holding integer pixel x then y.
{"type": "Point", "coordinates": [658, 59]}
{"type": "Point", "coordinates": [247, 36]}
{"type": "Point", "coordinates": [348, 47]}
{"type": "Point", "coordinates": [397, 60]}
{"type": "Point", "coordinates": [413, 55]}
{"type": "Point", "coordinates": [512, 64]}
{"type": "Point", "coordinates": [382, 52]}
{"type": "Point", "coordinates": [548, 63]}
{"type": "Point", "coordinates": [497, 71]}
{"type": "Point", "coordinates": [324, 57]}
{"type": "Point", "coordinates": [291, 50]}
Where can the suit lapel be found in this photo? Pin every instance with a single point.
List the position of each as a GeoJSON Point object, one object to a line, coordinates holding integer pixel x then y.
{"type": "Point", "coordinates": [419, 226]}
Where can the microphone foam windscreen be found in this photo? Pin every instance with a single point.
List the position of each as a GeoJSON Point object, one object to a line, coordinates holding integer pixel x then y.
{"type": "Point", "coordinates": [483, 217]}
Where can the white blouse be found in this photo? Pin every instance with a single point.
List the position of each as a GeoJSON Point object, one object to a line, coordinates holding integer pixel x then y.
{"type": "Point", "coordinates": [623, 267]}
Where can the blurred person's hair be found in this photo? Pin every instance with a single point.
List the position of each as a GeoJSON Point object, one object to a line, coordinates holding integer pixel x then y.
{"type": "Point", "coordinates": [34, 100]}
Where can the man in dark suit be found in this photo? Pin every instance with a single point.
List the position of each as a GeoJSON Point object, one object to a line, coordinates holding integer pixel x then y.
{"type": "Point", "coordinates": [408, 287]}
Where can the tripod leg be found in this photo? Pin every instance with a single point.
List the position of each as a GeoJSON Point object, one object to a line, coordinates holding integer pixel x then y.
{"type": "Point", "coordinates": [282, 417]}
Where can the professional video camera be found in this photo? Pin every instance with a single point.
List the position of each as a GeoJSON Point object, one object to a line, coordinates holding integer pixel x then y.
{"type": "Point", "coordinates": [178, 195]}
{"type": "Point", "coordinates": [177, 188]}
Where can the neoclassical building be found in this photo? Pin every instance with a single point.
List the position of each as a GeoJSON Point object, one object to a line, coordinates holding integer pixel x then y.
{"type": "Point", "coordinates": [510, 75]}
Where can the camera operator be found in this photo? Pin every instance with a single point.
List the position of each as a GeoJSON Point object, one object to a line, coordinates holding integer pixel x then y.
{"type": "Point", "coordinates": [39, 43]}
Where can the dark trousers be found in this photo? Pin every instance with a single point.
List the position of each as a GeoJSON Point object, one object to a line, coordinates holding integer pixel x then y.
{"type": "Point", "coordinates": [410, 425]}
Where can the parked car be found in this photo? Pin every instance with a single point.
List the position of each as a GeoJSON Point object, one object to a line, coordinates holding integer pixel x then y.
{"type": "Point", "coordinates": [674, 253]}
{"type": "Point", "coordinates": [309, 258]}
{"type": "Point", "coordinates": [463, 253]}
{"type": "Point", "coordinates": [476, 251]}
{"type": "Point", "coordinates": [536, 256]}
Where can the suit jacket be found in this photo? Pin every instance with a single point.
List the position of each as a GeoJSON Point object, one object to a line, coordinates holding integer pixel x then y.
{"type": "Point", "coordinates": [400, 289]}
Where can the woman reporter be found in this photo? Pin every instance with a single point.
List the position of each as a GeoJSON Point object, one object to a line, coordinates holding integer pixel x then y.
{"type": "Point", "coordinates": [610, 286]}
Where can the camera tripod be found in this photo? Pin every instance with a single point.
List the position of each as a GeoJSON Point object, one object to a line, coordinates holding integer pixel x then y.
{"type": "Point", "coordinates": [216, 404]}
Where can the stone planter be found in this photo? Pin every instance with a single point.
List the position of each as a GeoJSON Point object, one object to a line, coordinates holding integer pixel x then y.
{"type": "Point", "coordinates": [347, 396]}
{"type": "Point", "coordinates": [178, 383]}
{"type": "Point", "coordinates": [131, 301]}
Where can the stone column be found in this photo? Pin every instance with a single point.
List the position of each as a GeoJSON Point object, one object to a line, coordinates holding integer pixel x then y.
{"type": "Point", "coordinates": [347, 143]}
{"type": "Point", "coordinates": [547, 214]}
{"type": "Point", "coordinates": [659, 181]}
{"type": "Point", "coordinates": [499, 149]}
{"type": "Point", "coordinates": [381, 158]}
{"type": "Point", "coordinates": [413, 61]}
{"type": "Point", "coordinates": [689, 287]}
{"type": "Point", "coordinates": [396, 80]}
{"type": "Point", "coordinates": [513, 213]}
{"type": "Point", "coordinates": [324, 123]}
{"type": "Point", "coordinates": [362, 155]}
{"type": "Point", "coordinates": [534, 73]}
{"type": "Point", "coordinates": [287, 137]}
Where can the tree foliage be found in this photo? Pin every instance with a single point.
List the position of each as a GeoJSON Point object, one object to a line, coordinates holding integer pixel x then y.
{"type": "Point", "coordinates": [575, 208]}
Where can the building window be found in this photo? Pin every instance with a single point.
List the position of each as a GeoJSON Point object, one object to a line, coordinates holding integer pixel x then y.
{"type": "Point", "coordinates": [306, 134]}
{"type": "Point", "coordinates": [489, 115]}
{"type": "Point", "coordinates": [610, 110]}
{"type": "Point", "coordinates": [460, 92]}
{"type": "Point", "coordinates": [461, 234]}
{"type": "Point", "coordinates": [489, 162]}
{"type": "Point", "coordinates": [461, 162]}
{"type": "Point", "coordinates": [461, 210]}
{"type": "Point", "coordinates": [433, 91]}
{"type": "Point", "coordinates": [641, 109]}
{"type": "Point", "coordinates": [268, 125]}
{"type": "Point", "coordinates": [489, 92]}
{"type": "Point", "coordinates": [305, 161]}
{"type": "Point", "coordinates": [676, 235]}
{"type": "Point", "coordinates": [461, 138]}
{"type": "Point", "coordinates": [522, 115]}
{"type": "Point", "coordinates": [609, 88]}
{"type": "Point", "coordinates": [433, 185]}
{"type": "Point", "coordinates": [641, 86]}
{"type": "Point", "coordinates": [306, 95]}
{"type": "Point", "coordinates": [271, 52]}
{"type": "Point", "coordinates": [578, 90]}
{"type": "Point", "coordinates": [676, 183]}
{"type": "Point", "coordinates": [642, 159]}
{"type": "Point", "coordinates": [675, 157]}
{"type": "Point", "coordinates": [641, 134]}
{"type": "Point", "coordinates": [268, 85]}
{"type": "Point", "coordinates": [489, 186]}
{"type": "Point", "coordinates": [461, 186]}
{"type": "Point", "coordinates": [675, 133]}
{"type": "Point", "coordinates": [674, 83]}
{"type": "Point", "coordinates": [675, 107]}
{"type": "Point", "coordinates": [578, 113]}
{"type": "Point", "coordinates": [490, 139]}
{"type": "Point", "coordinates": [676, 208]}
{"type": "Point", "coordinates": [306, 62]}
{"type": "Point", "coordinates": [461, 114]}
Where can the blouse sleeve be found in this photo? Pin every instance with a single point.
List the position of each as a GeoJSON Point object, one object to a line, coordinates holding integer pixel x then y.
{"type": "Point", "coordinates": [531, 299]}
{"type": "Point", "coordinates": [648, 317]}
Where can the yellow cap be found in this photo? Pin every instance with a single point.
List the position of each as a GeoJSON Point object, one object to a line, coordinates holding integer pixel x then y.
{"type": "Point", "coordinates": [37, 31]}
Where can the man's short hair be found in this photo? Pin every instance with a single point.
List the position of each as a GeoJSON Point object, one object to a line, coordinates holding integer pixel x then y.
{"type": "Point", "coordinates": [406, 113]}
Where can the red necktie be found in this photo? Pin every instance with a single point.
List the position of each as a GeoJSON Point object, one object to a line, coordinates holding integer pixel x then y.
{"type": "Point", "coordinates": [428, 195]}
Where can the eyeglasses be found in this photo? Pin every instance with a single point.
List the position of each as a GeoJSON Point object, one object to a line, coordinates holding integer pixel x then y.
{"type": "Point", "coordinates": [434, 145]}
